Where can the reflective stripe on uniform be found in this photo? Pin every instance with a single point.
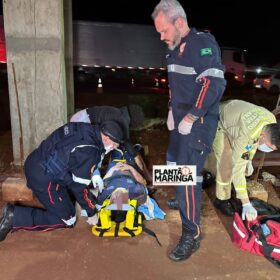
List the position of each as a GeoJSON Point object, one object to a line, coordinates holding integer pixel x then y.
{"type": "Point", "coordinates": [181, 69]}
{"type": "Point", "coordinates": [80, 180]}
{"type": "Point", "coordinates": [241, 189]}
{"type": "Point", "coordinates": [214, 72]}
{"type": "Point", "coordinates": [222, 183]}
{"type": "Point", "coordinates": [82, 146]}
{"type": "Point", "coordinates": [258, 129]}
{"type": "Point", "coordinates": [201, 96]}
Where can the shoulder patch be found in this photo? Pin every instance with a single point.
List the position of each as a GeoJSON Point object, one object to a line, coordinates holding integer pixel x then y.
{"type": "Point", "coordinates": [206, 51]}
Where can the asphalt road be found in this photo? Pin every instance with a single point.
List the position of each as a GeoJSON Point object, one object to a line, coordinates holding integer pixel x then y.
{"type": "Point", "coordinates": [154, 100]}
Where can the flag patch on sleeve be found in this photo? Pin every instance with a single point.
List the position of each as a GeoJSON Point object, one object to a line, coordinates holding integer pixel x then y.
{"type": "Point", "coordinates": [206, 51]}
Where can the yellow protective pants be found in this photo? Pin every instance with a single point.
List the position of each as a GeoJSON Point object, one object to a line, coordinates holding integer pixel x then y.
{"type": "Point", "coordinates": [223, 153]}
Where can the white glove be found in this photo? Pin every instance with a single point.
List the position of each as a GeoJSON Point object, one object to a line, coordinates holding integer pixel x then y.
{"type": "Point", "coordinates": [249, 212]}
{"type": "Point", "coordinates": [97, 181]}
{"type": "Point", "coordinates": [185, 127]}
{"type": "Point", "coordinates": [249, 168]}
{"type": "Point", "coordinates": [170, 120]}
{"type": "Point", "coordinates": [93, 220]}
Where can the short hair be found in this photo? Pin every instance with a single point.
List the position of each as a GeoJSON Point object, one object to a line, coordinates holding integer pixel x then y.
{"type": "Point", "coordinates": [171, 8]}
{"type": "Point", "coordinates": [273, 131]}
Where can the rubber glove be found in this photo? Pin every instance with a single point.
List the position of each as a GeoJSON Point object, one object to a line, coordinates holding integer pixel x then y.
{"type": "Point", "coordinates": [249, 168]}
{"type": "Point", "coordinates": [249, 212]}
{"type": "Point", "coordinates": [170, 120]}
{"type": "Point", "coordinates": [185, 127]}
{"type": "Point", "coordinates": [97, 181]}
{"type": "Point", "coordinates": [93, 220]}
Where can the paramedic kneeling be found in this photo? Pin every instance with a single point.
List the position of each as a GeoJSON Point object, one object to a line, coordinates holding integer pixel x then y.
{"type": "Point", "coordinates": [131, 116]}
{"type": "Point", "coordinates": [59, 169]}
{"type": "Point", "coordinates": [242, 129]}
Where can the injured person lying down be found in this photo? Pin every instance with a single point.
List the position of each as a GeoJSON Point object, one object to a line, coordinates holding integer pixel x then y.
{"type": "Point", "coordinates": [123, 199]}
{"type": "Point", "coordinates": [123, 181]}
{"type": "Point", "coordinates": [121, 174]}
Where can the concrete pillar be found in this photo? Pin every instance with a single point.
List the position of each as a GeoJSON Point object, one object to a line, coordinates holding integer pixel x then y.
{"type": "Point", "coordinates": [68, 47]}
{"type": "Point", "coordinates": [34, 31]}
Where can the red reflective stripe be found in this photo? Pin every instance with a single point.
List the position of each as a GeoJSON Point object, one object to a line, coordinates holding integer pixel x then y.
{"type": "Point", "coordinates": [49, 192]}
{"type": "Point", "coordinates": [46, 227]}
{"type": "Point", "coordinates": [187, 203]}
{"type": "Point", "coordinates": [87, 199]}
{"type": "Point", "coordinates": [199, 96]}
{"type": "Point", "coordinates": [204, 90]}
{"type": "Point", "coordinates": [194, 212]}
{"type": "Point", "coordinates": [193, 202]}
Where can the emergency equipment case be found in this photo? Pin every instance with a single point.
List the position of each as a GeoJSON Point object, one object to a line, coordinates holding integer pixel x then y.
{"type": "Point", "coordinates": [260, 237]}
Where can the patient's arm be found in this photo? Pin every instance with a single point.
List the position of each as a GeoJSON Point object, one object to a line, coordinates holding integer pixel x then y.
{"type": "Point", "coordinates": [125, 168]}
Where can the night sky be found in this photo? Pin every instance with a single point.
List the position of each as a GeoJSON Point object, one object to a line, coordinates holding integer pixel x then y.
{"type": "Point", "coordinates": [252, 25]}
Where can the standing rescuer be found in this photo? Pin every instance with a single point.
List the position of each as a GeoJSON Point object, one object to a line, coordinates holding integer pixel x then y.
{"type": "Point", "coordinates": [196, 80]}
{"type": "Point", "coordinates": [58, 169]}
{"type": "Point", "coordinates": [243, 128]}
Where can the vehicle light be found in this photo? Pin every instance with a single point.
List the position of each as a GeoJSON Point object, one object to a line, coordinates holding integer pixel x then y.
{"type": "Point", "coordinates": [266, 81]}
{"type": "Point", "coordinates": [163, 80]}
{"type": "Point", "coordinates": [236, 77]}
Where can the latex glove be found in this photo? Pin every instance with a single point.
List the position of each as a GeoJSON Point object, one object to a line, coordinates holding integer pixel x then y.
{"type": "Point", "coordinates": [185, 127]}
{"type": "Point", "coordinates": [249, 168]}
{"type": "Point", "coordinates": [170, 120]}
{"type": "Point", "coordinates": [97, 181]}
{"type": "Point", "coordinates": [249, 212]}
{"type": "Point", "coordinates": [93, 220]}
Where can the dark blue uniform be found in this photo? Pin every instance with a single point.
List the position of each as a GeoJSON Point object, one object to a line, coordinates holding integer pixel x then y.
{"type": "Point", "coordinates": [196, 80]}
{"type": "Point", "coordinates": [58, 172]}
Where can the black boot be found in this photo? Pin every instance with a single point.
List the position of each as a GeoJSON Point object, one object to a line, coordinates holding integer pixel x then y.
{"type": "Point", "coordinates": [173, 203]}
{"type": "Point", "coordinates": [186, 246]}
{"type": "Point", "coordinates": [6, 221]}
{"type": "Point", "coordinates": [225, 207]}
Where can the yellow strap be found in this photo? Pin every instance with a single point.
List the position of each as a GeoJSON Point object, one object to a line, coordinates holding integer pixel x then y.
{"type": "Point", "coordinates": [119, 160]}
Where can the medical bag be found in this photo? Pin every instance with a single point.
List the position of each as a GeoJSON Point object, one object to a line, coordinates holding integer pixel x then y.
{"type": "Point", "coordinates": [260, 237]}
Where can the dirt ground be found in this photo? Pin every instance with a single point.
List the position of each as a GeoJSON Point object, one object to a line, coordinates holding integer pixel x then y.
{"type": "Point", "coordinates": [77, 254]}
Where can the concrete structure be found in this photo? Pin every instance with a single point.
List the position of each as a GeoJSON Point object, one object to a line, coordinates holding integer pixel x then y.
{"type": "Point", "coordinates": [34, 31]}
